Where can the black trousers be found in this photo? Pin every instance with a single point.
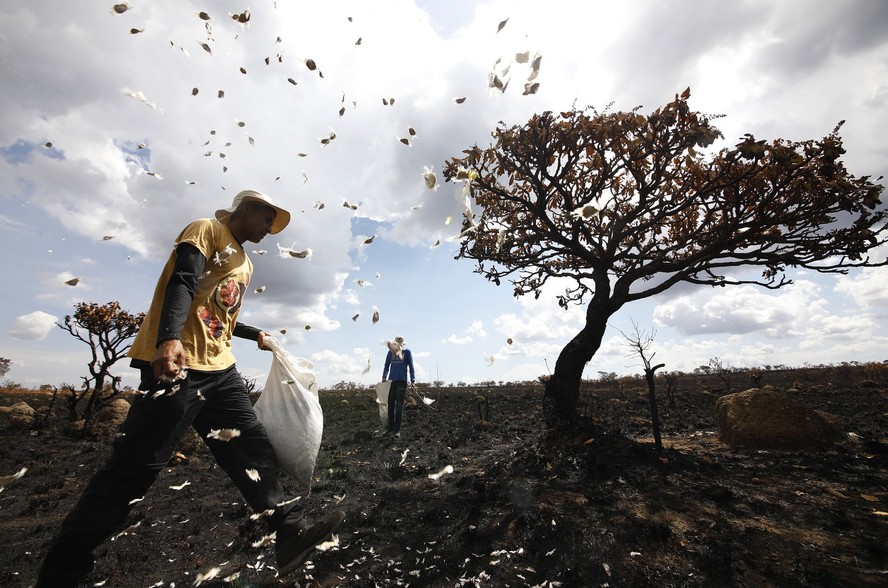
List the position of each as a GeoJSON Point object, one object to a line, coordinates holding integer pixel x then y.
{"type": "Point", "coordinates": [397, 395]}
{"type": "Point", "coordinates": [143, 446]}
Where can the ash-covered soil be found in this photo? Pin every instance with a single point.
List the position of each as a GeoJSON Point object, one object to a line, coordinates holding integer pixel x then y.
{"type": "Point", "coordinates": [593, 505]}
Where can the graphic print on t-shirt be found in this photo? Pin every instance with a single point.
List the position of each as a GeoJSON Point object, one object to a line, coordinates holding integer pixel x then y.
{"type": "Point", "coordinates": [229, 295]}
{"type": "Point", "coordinates": [214, 325]}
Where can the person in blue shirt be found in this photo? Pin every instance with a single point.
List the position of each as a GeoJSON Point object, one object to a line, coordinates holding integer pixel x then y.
{"type": "Point", "coordinates": [398, 362]}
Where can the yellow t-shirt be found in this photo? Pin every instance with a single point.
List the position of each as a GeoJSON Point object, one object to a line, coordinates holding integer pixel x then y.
{"type": "Point", "coordinates": [206, 335]}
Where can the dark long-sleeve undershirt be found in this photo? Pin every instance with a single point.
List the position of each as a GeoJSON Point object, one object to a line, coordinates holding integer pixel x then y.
{"type": "Point", "coordinates": [179, 294]}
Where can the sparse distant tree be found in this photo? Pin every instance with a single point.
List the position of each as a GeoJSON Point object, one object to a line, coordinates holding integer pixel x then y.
{"type": "Point", "coordinates": [5, 365]}
{"type": "Point", "coordinates": [611, 379]}
{"type": "Point", "coordinates": [108, 331]}
{"type": "Point", "coordinates": [627, 206]}
{"type": "Point", "coordinates": [755, 376]}
{"type": "Point", "coordinates": [878, 371]}
{"type": "Point", "coordinates": [670, 385]}
{"type": "Point", "coordinates": [703, 370]}
{"type": "Point", "coordinates": [723, 371]}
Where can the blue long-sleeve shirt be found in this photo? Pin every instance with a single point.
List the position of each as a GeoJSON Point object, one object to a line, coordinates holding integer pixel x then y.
{"type": "Point", "coordinates": [398, 368]}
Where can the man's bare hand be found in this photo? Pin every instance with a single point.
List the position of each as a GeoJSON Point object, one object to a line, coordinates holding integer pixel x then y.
{"type": "Point", "coordinates": [261, 340]}
{"type": "Point", "coordinates": [169, 360]}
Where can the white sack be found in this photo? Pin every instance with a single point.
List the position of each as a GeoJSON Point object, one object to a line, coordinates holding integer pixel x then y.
{"type": "Point", "coordinates": [382, 398]}
{"type": "Point", "coordinates": [291, 413]}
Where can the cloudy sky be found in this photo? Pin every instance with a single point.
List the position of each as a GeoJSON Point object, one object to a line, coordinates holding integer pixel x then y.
{"type": "Point", "coordinates": [131, 135]}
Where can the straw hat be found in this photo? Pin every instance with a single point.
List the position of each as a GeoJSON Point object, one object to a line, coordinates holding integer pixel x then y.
{"type": "Point", "coordinates": [281, 218]}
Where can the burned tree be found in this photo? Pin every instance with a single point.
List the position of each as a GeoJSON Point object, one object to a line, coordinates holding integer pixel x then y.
{"type": "Point", "coordinates": [627, 206]}
{"type": "Point", "coordinates": [108, 331]}
{"type": "Point", "coordinates": [639, 344]}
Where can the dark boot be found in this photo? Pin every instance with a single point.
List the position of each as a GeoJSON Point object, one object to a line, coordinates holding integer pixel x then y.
{"type": "Point", "coordinates": [295, 544]}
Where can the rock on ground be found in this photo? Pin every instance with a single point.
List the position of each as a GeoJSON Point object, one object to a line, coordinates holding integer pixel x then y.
{"type": "Point", "coordinates": [18, 416]}
{"type": "Point", "coordinates": [112, 415]}
{"type": "Point", "coordinates": [768, 419]}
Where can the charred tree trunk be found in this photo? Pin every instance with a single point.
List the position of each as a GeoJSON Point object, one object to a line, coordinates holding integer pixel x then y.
{"type": "Point", "coordinates": [93, 404]}
{"type": "Point", "coordinates": [72, 398]}
{"type": "Point", "coordinates": [652, 401]}
{"type": "Point", "coordinates": [563, 388]}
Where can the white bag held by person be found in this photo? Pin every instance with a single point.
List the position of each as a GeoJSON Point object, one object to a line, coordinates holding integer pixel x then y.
{"type": "Point", "coordinates": [291, 413]}
{"type": "Point", "coordinates": [382, 398]}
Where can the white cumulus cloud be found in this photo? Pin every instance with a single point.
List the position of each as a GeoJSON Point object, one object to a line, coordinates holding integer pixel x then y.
{"type": "Point", "coordinates": [868, 288]}
{"type": "Point", "coordinates": [742, 309]}
{"type": "Point", "coordinates": [32, 327]}
{"type": "Point", "coordinates": [475, 330]}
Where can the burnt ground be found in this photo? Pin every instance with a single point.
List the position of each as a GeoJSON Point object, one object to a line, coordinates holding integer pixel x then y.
{"type": "Point", "coordinates": [590, 506]}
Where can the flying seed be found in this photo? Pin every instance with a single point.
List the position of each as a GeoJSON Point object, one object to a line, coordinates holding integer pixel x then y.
{"type": "Point", "coordinates": [223, 434]}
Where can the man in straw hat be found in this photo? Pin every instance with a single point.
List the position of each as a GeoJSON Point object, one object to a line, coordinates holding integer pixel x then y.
{"type": "Point", "coordinates": [189, 377]}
